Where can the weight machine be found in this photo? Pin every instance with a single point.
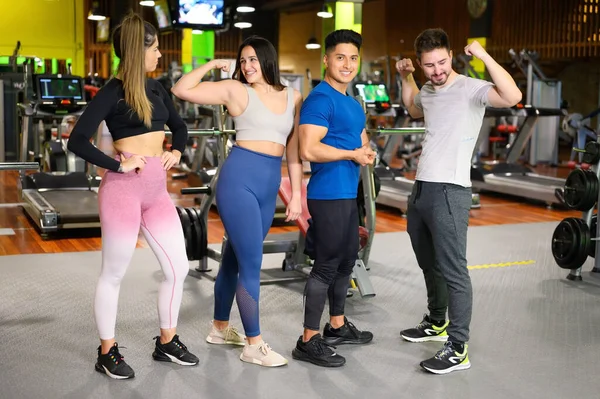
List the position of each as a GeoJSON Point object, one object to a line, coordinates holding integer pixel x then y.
{"type": "Point", "coordinates": [292, 244]}
{"type": "Point", "coordinates": [542, 92]}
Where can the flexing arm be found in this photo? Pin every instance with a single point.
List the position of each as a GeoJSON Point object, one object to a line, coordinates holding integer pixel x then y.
{"type": "Point", "coordinates": [505, 93]}
{"type": "Point", "coordinates": [409, 87]}
{"type": "Point", "coordinates": [190, 88]}
{"type": "Point", "coordinates": [87, 125]}
{"type": "Point", "coordinates": [294, 163]}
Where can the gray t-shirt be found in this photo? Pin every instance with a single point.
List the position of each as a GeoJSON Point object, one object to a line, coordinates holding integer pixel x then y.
{"type": "Point", "coordinates": [453, 118]}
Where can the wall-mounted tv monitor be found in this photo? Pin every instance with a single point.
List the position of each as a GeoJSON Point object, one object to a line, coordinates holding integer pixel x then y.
{"type": "Point", "coordinates": [372, 92]}
{"type": "Point", "coordinates": [163, 14]}
{"type": "Point", "coordinates": [199, 14]}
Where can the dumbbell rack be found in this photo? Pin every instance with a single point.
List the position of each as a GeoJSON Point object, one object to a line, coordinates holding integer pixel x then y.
{"type": "Point", "coordinates": [575, 274]}
{"type": "Point", "coordinates": [591, 152]}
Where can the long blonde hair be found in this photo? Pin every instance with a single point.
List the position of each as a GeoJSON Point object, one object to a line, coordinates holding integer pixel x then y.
{"type": "Point", "coordinates": [131, 38]}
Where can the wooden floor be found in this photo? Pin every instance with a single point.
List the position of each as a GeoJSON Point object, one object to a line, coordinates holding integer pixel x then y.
{"type": "Point", "coordinates": [26, 240]}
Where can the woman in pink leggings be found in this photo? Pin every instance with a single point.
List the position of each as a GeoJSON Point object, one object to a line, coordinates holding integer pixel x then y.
{"type": "Point", "coordinates": [133, 192]}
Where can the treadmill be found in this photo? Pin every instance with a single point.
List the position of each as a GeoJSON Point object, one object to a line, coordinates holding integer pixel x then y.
{"type": "Point", "coordinates": [56, 200]}
{"type": "Point", "coordinates": [510, 177]}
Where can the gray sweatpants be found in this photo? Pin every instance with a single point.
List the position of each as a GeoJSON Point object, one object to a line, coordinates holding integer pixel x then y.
{"type": "Point", "coordinates": [438, 218]}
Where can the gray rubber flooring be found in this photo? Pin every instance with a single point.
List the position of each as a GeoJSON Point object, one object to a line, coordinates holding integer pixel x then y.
{"type": "Point", "coordinates": [534, 333]}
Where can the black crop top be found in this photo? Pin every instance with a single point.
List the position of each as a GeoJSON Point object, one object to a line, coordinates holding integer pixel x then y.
{"type": "Point", "coordinates": [109, 105]}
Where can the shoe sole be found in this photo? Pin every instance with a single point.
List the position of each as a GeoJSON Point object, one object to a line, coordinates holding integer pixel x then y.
{"type": "Point", "coordinates": [165, 357]}
{"type": "Point", "coordinates": [103, 370]}
{"type": "Point", "coordinates": [435, 338]}
{"type": "Point", "coordinates": [297, 355]}
{"type": "Point", "coordinates": [342, 341]}
{"type": "Point", "coordinates": [222, 342]}
{"type": "Point", "coordinates": [252, 360]}
{"type": "Point", "coordinates": [458, 367]}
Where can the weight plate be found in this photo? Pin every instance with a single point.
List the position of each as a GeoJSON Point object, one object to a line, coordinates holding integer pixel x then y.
{"type": "Point", "coordinates": [187, 229]}
{"type": "Point", "coordinates": [593, 227]}
{"type": "Point", "coordinates": [591, 193]}
{"type": "Point", "coordinates": [203, 240]}
{"type": "Point", "coordinates": [581, 190]}
{"type": "Point", "coordinates": [200, 247]}
{"type": "Point", "coordinates": [570, 242]}
{"type": "Point", "coordinates": [592, 153]}
{"type": "Point", "coordinates": [584, 238]}
{"type": "Point", "coordinates": [193, 252]}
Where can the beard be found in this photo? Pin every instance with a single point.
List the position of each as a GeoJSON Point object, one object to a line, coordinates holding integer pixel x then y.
{"type": "Point", "coordinates": [438, 81]}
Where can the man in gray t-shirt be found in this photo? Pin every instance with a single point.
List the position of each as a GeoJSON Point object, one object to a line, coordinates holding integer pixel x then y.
{"type": "Point", "coordinates": [453, 106]}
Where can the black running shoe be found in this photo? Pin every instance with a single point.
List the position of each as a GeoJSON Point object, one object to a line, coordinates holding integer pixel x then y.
{"type": "Point", "coordinates": [317, 351]}
{"type": "Point", "coordinates": [113, 365]}
{"type": "Point", "coordinates": [447, 360]}
{"type": "Point", "coordinates": [426, 331]}
{"type": "Point", "coordinates": [175, 352]}
{"type": "Point", "coordinates": [346, 334]}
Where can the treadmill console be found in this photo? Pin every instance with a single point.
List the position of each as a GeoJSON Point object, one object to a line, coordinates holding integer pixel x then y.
{"type": "Point", "coordinates": [375, 96]}
{"type": "Point", "coordinates": [60, 94]}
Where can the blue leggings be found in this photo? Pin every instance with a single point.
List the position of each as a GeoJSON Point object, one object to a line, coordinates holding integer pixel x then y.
{"type": "Point", "coordinates": [246, 196]}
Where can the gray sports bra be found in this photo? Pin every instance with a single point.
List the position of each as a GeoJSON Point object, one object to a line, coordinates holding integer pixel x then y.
{"type": "Point", "coordinates": [259, 123]}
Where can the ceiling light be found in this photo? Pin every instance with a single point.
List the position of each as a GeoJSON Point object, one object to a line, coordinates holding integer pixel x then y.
{"type": "Point", "coordinates": [312, 44]}
{"type": "Point", "coordinates": [325, 12]}
{"type": "Point", "coordinates": [245, 9]}
{"type": "Point", "coordinates": [147, 3]}
{"type": "Point", "coordinates": [93, 17]}
{"type": "Point", "coordinates": [94, 14]}
{"type": "Point", "coordinates": [242, 24]}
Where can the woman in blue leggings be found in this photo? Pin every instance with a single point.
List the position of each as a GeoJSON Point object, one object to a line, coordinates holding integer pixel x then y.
{"type": "Point", "coordinates": [266, 120]}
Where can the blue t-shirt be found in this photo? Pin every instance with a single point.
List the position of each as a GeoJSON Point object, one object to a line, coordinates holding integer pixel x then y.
{"type": "Point", "coordinates": [344, 119]}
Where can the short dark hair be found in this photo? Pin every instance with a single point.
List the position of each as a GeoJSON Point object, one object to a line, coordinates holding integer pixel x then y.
{"type": "Point", "coordinates": [267, 58]}
{"type": "Point", "coordinates": [431, 39]}
{"type": "Point", "coordinates": [342, 36]}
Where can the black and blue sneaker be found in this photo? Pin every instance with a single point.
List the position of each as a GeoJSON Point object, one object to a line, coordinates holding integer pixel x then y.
{"type": "Point", "coordinates": [175, 352]}
{"type": "Point", "coordinates": [451, 357]}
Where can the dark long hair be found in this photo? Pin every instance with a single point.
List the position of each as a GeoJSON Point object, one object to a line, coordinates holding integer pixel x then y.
{"type": "Point", "coordinates": [131, 38]}
{"type": "Point", "coordinates": [267, 57]}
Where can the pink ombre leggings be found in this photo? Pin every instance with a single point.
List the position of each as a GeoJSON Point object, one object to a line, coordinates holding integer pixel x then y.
{"type": "Point", "coordinates": [128, 201]}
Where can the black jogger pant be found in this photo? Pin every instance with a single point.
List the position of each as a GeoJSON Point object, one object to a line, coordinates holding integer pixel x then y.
{"type": "Point", "coordinates": [336, 244]}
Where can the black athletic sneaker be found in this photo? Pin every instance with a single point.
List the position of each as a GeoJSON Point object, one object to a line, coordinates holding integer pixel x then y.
{"type": "Point", "coordinates": [426, 331]}
{"type": "Point", "coordinates": [113, 365]}
{"type": "Point", "coordinates": [317, 351]}
{"type": "Point", "coordinates": [175, 352]}
{"type": "Point", "coordinates": [346, 334]}
{"type": "Point", "coordinates": [447, 360]}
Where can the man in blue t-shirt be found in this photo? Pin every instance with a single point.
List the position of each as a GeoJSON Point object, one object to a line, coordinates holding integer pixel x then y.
{"type": "Point", "coordinates": [334, 140]}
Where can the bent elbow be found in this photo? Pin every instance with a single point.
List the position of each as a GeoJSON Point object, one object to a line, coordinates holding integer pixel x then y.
{"type": "Point", "coordinates": [176, 91]}
{"type": "Point", "coordinates": [517, 98]}
{"type": "Point", "coordinates": [305, 154]}
{"type": "Point", "coordinates": [71, 147]}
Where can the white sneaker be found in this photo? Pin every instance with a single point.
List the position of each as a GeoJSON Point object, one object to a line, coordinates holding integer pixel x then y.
{"type": "Point", "coordinates": [227, 336]}
{"type": "Point", "coordinates": [263, 355]}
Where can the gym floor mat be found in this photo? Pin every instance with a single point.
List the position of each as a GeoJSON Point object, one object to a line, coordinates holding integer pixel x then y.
{"type": "Point", "coordinates": [534, 334]}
